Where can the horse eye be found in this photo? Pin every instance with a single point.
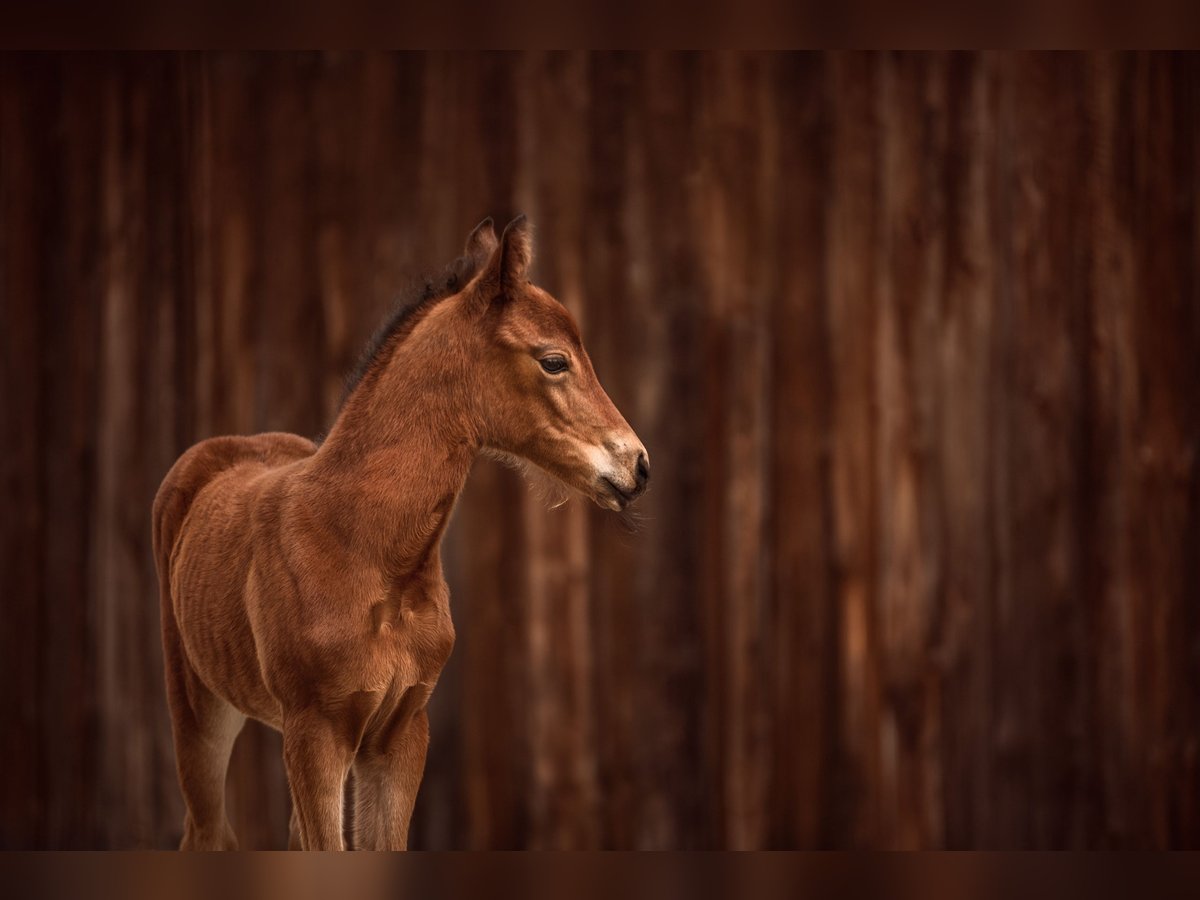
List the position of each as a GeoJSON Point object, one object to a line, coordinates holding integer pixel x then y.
{"type": "Point", "coordinates": [554, 364]}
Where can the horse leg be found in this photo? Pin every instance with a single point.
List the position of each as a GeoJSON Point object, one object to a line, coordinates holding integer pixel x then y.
{"type": "Point", "coordinates": [205, 728]}
{"type": "Point", "coordinates": [386, 780]}
{"type": "Point", "coordinates": [295, 839]}
{"type": "Point", "coordinates": [317, 758]}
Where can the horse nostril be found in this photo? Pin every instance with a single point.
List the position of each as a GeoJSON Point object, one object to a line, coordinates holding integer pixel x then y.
{"type": "Point", "coordinates": [643, 470]}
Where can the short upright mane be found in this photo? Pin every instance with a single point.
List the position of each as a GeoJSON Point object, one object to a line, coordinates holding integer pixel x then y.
{"type": "Point", "coordinates": [423, 295]}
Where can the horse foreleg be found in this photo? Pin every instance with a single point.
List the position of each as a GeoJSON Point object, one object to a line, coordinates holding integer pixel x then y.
{"type": "Point", "coordinates": [317, 759]}
{"type": "Point", "coordinates": [386, 780]}
{"type": "Point", "coordinates": [295, 840]}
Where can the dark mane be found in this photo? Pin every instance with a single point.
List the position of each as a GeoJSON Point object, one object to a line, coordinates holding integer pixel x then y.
{"type": "Point", "coordinates": [423, 294]}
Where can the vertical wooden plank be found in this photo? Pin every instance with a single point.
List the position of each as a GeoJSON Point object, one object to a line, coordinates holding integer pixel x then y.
{"type": "Point", "coordinates": [909, 278]}
{"type": "Point", "coordinates": [806, 691]}
{"type": "Point", "coordinates": [734, 213]}
{"type": "Point", "coordinates": [136, 440]}
{"type": "Point", "coordinates": [1185, 74]}
{"type": "Point", "coordinates": [389, 184]}
{"type": "Point", "coordinates": [1163, 538]}
{"type": "Point", "coordinates": [67, 255]}
{"type": "Point", "coordinates": [346, 138]}
{"type": "Point", "coordinates": [119, 519]}
{"type": "Point", "coordinates": [667, 288]}
{"type": "Point", "coordinates": [159, 272]}
{"type": "Point", "coordinates": [1043, 698]}
{"type": "Point", "coordinates": [24, 100]}
{"type": "Point", "coordinates": [1110, 399]}
{"type": "Point", "coordinates": [202, 325]}
{"type": "Point", "coordinates": [1079, 771]}
{"type": "Point", "coordinates": [966, 441]}
{"type": "Point", "coordinates": [290, 385]}
{"type": "Point", "coordinates": [718, 238]}
{"type": "Point", "coordinates": [237, 129]}
{"type": "Point", "coordinates": [749, 459]}
{"type": "Point", "coordinates": [1005, 797]}
{"type": "Point", "coordinates": [853, 235]}
{"type": "Point", "coordinates": [611, 81]}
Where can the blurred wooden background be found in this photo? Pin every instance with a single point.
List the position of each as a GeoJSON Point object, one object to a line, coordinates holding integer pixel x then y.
{"type": "Point", "coordinates": [914, 342]}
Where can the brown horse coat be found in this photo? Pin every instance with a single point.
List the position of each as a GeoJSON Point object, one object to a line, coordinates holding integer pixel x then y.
{"type": "Point", "coordinates": [301, 585]}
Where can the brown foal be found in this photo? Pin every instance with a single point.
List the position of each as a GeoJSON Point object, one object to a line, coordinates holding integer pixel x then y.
{"type": "Point", "coordinates": [301, 584]}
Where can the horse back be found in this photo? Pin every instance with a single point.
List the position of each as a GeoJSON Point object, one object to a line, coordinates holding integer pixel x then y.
{"type": "Point", "coordinates": [200, 465]}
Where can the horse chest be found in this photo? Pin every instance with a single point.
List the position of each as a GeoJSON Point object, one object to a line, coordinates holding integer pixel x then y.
{"type": "Point", "coordinates": [410, 642]}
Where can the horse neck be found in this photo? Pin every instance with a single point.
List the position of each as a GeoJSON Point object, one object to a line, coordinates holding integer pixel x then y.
{"type": "Point", "coordinates": [398, 455]}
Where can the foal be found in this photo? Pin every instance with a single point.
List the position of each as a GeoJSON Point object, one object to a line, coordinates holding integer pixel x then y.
{"type": "Point", "coordinates": [301, 585]}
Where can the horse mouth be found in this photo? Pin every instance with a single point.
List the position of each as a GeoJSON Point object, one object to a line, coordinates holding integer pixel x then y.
{"type": "Point", "coordinates": [615, 495]}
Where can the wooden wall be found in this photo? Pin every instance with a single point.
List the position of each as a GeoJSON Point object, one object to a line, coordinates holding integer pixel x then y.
{"type": "Point", "coordinates": [914, 342]}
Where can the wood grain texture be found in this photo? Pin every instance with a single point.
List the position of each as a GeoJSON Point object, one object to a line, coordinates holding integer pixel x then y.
{"type": "Point", "coordinates": [913, 341]}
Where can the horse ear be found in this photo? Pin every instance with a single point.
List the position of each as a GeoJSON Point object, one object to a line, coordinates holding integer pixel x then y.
{"type": "Point", "coordinates": [509, 263]}
{"type": "Point", "coordinates": [481, 243]}
{"type": "Point", "coordinates": [516, 246]}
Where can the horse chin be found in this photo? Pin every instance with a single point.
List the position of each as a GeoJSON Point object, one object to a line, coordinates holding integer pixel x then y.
{"type": "Point", "coordinates": [608, 496]}
{"type": "Point", "coordinates": [606, 501]}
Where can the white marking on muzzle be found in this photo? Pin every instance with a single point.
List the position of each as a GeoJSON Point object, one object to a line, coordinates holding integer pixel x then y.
{"type": "Point", "coordinates": [603, 461]}
{"type": "Point", "coordinates": [615, 464]}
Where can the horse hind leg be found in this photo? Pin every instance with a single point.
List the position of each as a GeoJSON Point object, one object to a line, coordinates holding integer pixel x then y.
{"type": "Point", "coordinates": [205, 728]}
{"type": "Point", "coordinates": [204, 736]}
